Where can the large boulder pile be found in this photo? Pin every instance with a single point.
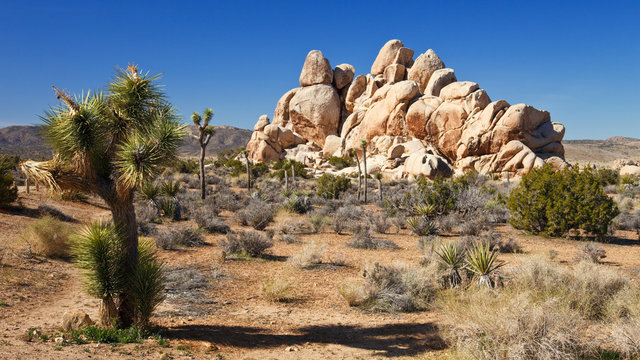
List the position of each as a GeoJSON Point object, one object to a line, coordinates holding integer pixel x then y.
{"type": "Point", "coordinates": [415, 116]}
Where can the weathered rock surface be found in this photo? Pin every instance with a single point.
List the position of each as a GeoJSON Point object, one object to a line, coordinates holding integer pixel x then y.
{"type": "Point", "coordinates": [316, 70]}
{"type": "Point", "coordinates": [417, 118]}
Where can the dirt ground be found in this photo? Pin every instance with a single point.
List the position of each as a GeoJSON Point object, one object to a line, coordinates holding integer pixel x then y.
{"type": "Point", "coordinates": [231, 318]}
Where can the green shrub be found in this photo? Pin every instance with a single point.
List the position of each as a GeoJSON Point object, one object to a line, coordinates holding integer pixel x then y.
{"type": "Point", "coordinates": [8, 190]}
{"type": "Point", "coordinates": [331, 186]}
{"type": "Point", "coordinates": [340, 162]}
{"type": "Point", "coordinates": [280, 166]}
{"type": "Point", "coordinates": [556, 203]}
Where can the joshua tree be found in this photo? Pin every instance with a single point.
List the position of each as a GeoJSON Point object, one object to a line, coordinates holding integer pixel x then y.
{"type": "Point", "coordinates": [379, 178]}
{"type": "Point", "coordinates": [109, 144]}
{"type": "Point", "coordinates": [246, 158]}
{"type": "Point", "coordinates": [363, 143]}
{"type": "Point", "coordinates": [205, 132]}
{"type": "Point", "coordinates": [354, 154]}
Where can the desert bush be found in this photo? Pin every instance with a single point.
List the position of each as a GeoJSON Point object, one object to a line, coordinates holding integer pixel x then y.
{"type": "Point", "coordinates": [627, 221]}
{"type": "Point", "coordinates": [362, 239]}
{"type": "Point", "coordinates": [425, 242]}
{"type": "Point", "coordinates": [251, 243]}
{"type": "Point", "coordinates": [299, 168]}
{"type": "Point", "coordinates": [399, 222]}
{"type": "Point", "coordinates": [257, 214]}
{"type": "Point", "coordinates": [331, 186]}
{"type": "Point", "coordinates": [447, 222]}
{"type": "Point", "coordinates": [210, 223]}
{"type": "Point", "coordinates": [48, 236]}
{"type": "Point", "coordinates": [341, 162]}
{"type": "Point", "coordinates": [297, 204]}
{"type": "Point", "coordinates": [172, 238]}
{"type": "Point", "coordinates": [309, 257]}
{"type": "Point", "coordinates": [591, 252]}
{"type": "Point", "coordinates": [345, 215]}
{"type": "Point", "coordinates": [318, 222]}
{"type": "Point", "coordinates": [290, 226]}
{"type": "Point", "coordinates": [626, 205]}
{"type": "Point", "coordinates": [378, 221]}
{"type": "Point", "coordinates": [555, 203]}
{"type": "Point", "coordinates": [227, 199]}
{"type": "Point", "coordinates": [8, 190]}
{"type": "Point", "coordinates": [472, 226]}
{"type": "Point", "coordinates": [170, 188]}
{"type": "Point", "coordinates": [390, 289]}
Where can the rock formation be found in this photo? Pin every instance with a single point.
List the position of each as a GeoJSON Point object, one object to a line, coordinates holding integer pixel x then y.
{"type": "Point", "coordinates": [415, 115]}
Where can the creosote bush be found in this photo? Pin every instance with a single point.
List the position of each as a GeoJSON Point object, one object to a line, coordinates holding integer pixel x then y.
{"type": "Point", "coordinates": [331, 186]}
{"type": "Point", "coordinates": [557, 202]}
{"type": "Point", "coordinates": [250, 243]}
{"type": "Point", "coordinates": [48, 237]}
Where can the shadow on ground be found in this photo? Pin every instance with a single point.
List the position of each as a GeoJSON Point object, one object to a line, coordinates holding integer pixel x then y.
{"type": "Point", "coordinates": [388, 340]}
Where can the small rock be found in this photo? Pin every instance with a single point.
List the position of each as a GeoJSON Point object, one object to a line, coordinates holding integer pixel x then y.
{"type": "Point", "coordinates": [75, 320]}
{"type": "Point", "coordinates": [59, 340]}
{"type": "Point", "coordinates": [291, 348]}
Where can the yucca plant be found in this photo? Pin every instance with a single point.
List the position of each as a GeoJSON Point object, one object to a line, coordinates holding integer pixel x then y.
{"type": "Point", "coordinates": [150, 191]}
{"type": "Point", "coordinates": [109, 144]}
{"type": "Point", "coordinates": [169, 208]}
{"type": "Point", "coordinates": [147, 283]}
{"type": "Point", "coordinates": [451, 256]}
{"type": "Point", "coordinates": [205, 132]}
{"type": "Point", "coordinates": [422, 226]}
{"type": "Point", "coordinates": [482, 261]}
{"type": "Point", "coordinates": [425, 210]}
{"type": "Point", "coordinates": [97, 250]}
{"type": "Point", "coordinates": [170, 188]}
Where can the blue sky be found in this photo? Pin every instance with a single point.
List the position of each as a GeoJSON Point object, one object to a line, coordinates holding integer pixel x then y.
{"type": "Point", "coordinates": [577, 59]}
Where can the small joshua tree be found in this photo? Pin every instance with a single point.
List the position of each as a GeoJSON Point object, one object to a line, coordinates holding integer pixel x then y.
{"type": "Point", "coordinates": [379, 178]}
{"type": "Point", "coordinates": [246, 158]}
{"type": "Point", "coordinates": [354, 154]}
{"type": "Point", "coordinates": [109, 144]}
{"type": "Point", "coordinates": [205, 132]}
{"type": "Point", "coordinates": [363, 143]}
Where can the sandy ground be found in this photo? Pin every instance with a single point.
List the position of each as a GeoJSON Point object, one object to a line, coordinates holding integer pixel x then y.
{"type": "Point", "coordinates": [232, 319]}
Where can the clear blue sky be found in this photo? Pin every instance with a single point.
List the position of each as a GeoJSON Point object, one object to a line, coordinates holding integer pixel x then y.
{"type": "Point", "coordinates": [579, 60]}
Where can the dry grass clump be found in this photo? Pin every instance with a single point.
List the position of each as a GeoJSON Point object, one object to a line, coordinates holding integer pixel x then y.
{"type": "Point", "coordinates": [591, 252]}
{"type": "Point", "coordinates": [362, 239]}
{"type": "Point", "coordinates": [310, 256]}
{"type": "Point", "coordinates": [250, 243]}
{"type": "Point", "coordinates": [390, 289]}
{"type": "Point", "coordinates": [545, 312]}
{"type": "Point", "coordinates": [278, 288]}
{"type": "Point", "coordinates": [48, 236]}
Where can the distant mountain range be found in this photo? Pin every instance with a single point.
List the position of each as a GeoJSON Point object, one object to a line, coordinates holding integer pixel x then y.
{"type": "Point", "coordinates": [28, 142]}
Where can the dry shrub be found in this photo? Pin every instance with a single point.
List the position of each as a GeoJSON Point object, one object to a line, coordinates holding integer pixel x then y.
{"type": "Point", "coordinates": [48, 237]}
{"type": "Point", "coordinates": [485, 324]}
{"type": "Point", "coordinates": [172, 238]}
{"type": "Point", "coordinates": [591, 252]}
{"type": "Point", "coordinates": [251, 243]}
{"type": "Point", "coordinates": [258, 214]}
{"type": "Point", "coordinates": [310, 256]}
{"type": "Point", "coordinates": [378, 221]}
{"type": "Point", "coordinates": [293, 225]}
{"type": "Point", "coordinates": [278, 288]}
{"type": "Point", "coordinates": [390, 289]}
{"type": "Point", "coordinates": [544, 311]}
{"type": "Point", "coordinates": [209, 222]}
{"type": "Point", "coordinates": [362, 239]}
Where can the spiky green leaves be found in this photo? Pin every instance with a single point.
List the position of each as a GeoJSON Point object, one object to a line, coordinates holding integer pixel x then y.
{"type": "Point", "coordinates": [147, 283]}
{"type": "Point", "coordinates": [451, 255]}
{"type": "Point", "coordinates": [134, 96]}
{"type": "Point", "coordinates": [97, 250]}
{"type": "Point", "coordinates": [482, 261]}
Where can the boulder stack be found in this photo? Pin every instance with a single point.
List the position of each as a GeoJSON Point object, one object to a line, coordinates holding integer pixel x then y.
{"type": "Point", "coordinates": [413, 113]}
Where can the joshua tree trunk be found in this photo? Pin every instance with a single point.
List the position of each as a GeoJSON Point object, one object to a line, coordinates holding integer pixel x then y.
{"type": "Point", "coordinates": [293, 175]}
{"type": "Point", "coordinates": [364, 164]}
{"type": "Point", "coordinates": [359, 175]}
{"type": "Point", "coordinates": [124, 218]}
{"type": "Point", "coordinates": [246, 157]}
{"type": "Point", "coordinates": [286, 180]}
{"type": "Point", "coordinates": [203, 184]}
{"type": "Point", "coordinates": [26, 184]}
{"type": "Point", "coordinates": [380, 189]}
